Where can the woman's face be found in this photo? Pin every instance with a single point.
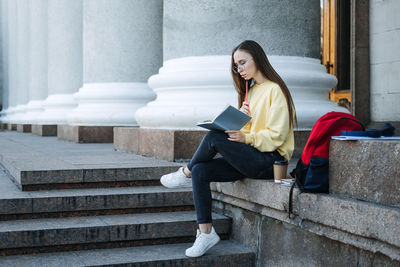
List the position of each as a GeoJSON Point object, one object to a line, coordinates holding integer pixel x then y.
{"type": "Point", "coordinates": [245, 64]}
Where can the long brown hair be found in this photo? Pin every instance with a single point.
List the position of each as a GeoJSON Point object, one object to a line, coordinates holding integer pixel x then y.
{"type": "Point", "coordinates": [263, 65]}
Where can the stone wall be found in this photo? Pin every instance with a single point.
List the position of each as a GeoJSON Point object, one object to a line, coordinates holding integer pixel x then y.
{"type": "Point", "coordinates": [357, 224]}
{"type": "Point", "coordinates": [385, 60]}
{"type": "Point", "coordinates": [326, 231]}
{"type": "Point", "coordinates": [279, 243]}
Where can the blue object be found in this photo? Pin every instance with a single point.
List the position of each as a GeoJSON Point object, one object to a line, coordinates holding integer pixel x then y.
{"type": "Point", "coordinates": [386, 130]}
{"type": "Point", "coordinates": [368, 133]}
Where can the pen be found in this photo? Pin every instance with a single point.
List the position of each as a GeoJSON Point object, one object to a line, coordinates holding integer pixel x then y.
{"type": "Point", "coordinates": [247, 86]}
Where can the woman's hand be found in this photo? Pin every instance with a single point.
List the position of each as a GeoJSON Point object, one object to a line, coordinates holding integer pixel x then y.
{"type": "Point", "coordinates": [245, 108]}
{"type": "Point", "coordinates": [236, 136]}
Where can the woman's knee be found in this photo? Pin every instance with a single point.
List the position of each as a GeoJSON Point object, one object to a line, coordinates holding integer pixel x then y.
{"type": "Point", "coordinates": [214, 135]}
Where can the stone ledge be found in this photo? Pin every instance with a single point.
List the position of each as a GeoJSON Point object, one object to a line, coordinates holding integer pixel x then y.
{"type": "Point", "coordinates": [366, 169]}
{"type": "Point", "coordinates": [11, 127]}
{"type": "Point", "coordinates": [24, 128]}
{"type": "Point", "coordinates": [85, 134]}
{"type": "Point", "coordinates": [357, 217]}
{"type": "Point", "coordinates": [347, 215]}
{"type": "Point", "coordinates": [262, 192]}
{"type": "Point", "coordinates": [174, 145]}
{"type": "Point", "coordinates": [44, 130]}
{"type": "Point", "coordinates": [163, 144]}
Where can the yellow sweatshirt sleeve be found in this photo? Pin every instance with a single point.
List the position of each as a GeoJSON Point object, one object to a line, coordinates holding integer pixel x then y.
{"type": "Point", "coordinates": [269, 134]}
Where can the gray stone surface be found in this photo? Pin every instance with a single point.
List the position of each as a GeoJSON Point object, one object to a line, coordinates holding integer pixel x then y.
{"type": "Point", "coordinates": [4, 56]}
{"type": "Point", "coordinates": [11, 127]}
{"type": "Point", "coordinates": [85, 134]}
{"type": "Point", "coordinates": [163, 144]}
{"type": "Point", "coordinates": [385, 60]}
{"type": "Point", "coordinates": [226, 253]}
{"type": "Point", "coordinates": [366, 169]}
{"type": "Point", "coordinates": [83, 230]}
{"type": "Point", "coordinates": [367, 226]}
{"type": "Point", "coordinates": [245, 224]}
{"type": "Point", "coordinates": [262, 192]}
{"type": "Point", "coordinates": [12, 53]}
{"type": "Point", "coordinates": [14, 201]}
{"type": "Point", "coordinates": [31, 159]}
{"type": "Point", "coordinates": [357, 217]}
{"type": "Point", "coordinates": [130, 34]}
{"type": "Point", "coordinates": [190, 27]}
{"type": "Point", "coordinates": [22, 51]}
{"type": "Point", "coordinates": [24, 128]}
{"type": "Point", "coordinates": [278, 241]}
{"type": "Point", "coordinates": [282, 244]}
{"type": "Point", "coordinates": [44, 130]}
{"type": "Point", "coordinates": [126, 139]}
{"type": "Point", "coordinates": [65, 66]}
{"type": "Point", "coordinates": [38, 50]}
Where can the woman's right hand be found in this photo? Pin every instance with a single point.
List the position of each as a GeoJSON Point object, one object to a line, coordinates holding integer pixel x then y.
{"type": "Point", "coordinates": [246, 108]}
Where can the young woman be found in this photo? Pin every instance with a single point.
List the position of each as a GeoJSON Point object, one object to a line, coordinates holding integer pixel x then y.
{"type": "Point", "coordinates": [250, 152]}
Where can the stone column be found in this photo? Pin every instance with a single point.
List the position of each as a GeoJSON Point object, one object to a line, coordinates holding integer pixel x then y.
{"type": "Point", "coordinates": [22, 59]}
{"type": "Point", "coordinates": [1, 58]}
{"type": "Point", "coordinates": [4, 59]}
{"type": "Point", "coordinates": [11, 50]}
{"type": "Point", "coordinates": [37, 82]}
{"type": "Point", "coordinates": [190, 89]}
{"type": "Point", "coordinates": [64, 59]}
{"type": "Point", "coordinates": [122, 48]}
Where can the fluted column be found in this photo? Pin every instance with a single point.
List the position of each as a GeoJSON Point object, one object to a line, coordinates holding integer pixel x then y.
{"type": "Point", "coordinates": [4, 59]}
{"type": "Point", "coordinates": [122, 48]}
{"type": "Point", "coordinates": [11, 51]}
{"type": "Point", "coordinates": [190, 89]}
{"type": "Point", "coordinates": [22, 59]}
{"type": "Point", "coordinates": [1, 56]}
{"type": "Point", "coordinates": [37, 82]}
{"type": "Point", "coordinates": [64, 59]}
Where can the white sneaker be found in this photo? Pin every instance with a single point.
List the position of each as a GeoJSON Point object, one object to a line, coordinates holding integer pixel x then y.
{"type": "Point", "coordinates": [203, 243]}
{"type": "Point", "coordinates": [176, 179]}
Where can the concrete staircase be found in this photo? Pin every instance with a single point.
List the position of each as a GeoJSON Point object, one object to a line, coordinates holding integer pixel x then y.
{"type": "Point", "coordinates": [68, 204]}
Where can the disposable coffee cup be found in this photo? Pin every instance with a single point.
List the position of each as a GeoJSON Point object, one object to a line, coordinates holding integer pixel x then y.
{"type": "Point", "coordinates": [280, 170]}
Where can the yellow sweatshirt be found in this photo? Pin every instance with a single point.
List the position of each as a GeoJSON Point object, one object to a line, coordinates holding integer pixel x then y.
{"type": "Point", "coordinates": [269, 128]}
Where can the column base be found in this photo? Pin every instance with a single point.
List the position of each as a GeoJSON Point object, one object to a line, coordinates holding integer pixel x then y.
{"type": "Point", "coordinates": [169, 145]}
{"type": "Point", "coordinates": [44, 130]}
{"type": "Point", "coordinates": [11, 126]}
{"type": "Point", "coordinates": [174, 145]}
{"type": "Point", "coordinates": [24, 128]}
{"type": "Point", "coordinates": [85, 134]}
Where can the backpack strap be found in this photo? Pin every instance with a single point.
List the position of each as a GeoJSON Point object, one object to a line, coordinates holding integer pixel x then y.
{"type": "Point", "coordinates": [291, 199]}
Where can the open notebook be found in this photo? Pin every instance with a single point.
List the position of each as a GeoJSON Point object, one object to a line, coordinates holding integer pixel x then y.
{"type": "Point", "coordinates": [229, 119]}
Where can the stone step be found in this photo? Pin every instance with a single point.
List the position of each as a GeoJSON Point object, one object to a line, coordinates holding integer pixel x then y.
{"type": "Point", "coordinates": [16, 204]}
{"type": "Point", "coordinates": [61, 234]}
{"type": "Point", "coordinates": [36, 163]}
{"type": "Point", "coordinates": [225, 253]}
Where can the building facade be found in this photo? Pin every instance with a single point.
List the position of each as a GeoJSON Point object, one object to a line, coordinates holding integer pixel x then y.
{"type": "Point", "coordinates": [100, 62]}
{"type": "Point", "coordinates": [163, 65]}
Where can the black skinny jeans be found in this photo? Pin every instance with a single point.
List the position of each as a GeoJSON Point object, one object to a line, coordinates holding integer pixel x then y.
{"type": "Point", "coordinates": [238, 161]}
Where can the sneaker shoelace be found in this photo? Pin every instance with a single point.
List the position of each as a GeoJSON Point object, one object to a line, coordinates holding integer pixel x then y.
{"type": "Point", "coordinates": [198, 241]}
